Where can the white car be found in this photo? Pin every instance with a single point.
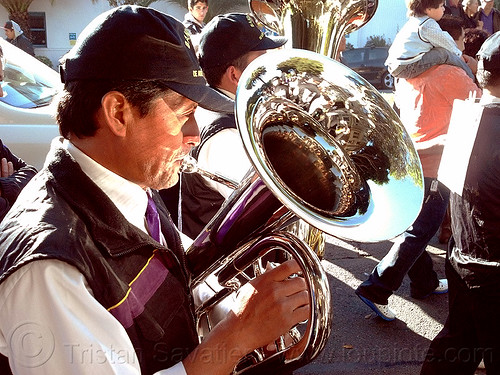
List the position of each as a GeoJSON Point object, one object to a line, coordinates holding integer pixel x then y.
{"type": "Point", "coordinates": [27, 108]}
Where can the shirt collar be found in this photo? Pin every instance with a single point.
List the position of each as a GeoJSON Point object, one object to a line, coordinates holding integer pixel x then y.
{"type": "Point", "coordinates": [227, 93]}
{"type": "Point", "coordinates": [130, 199]}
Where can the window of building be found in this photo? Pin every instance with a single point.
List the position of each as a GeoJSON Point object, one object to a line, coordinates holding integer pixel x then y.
{"type": "Point", "coordinates": [38, 28]}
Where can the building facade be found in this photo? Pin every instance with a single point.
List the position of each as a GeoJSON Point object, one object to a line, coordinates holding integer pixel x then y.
{"type": "Point", "coordinates": [56, 27]}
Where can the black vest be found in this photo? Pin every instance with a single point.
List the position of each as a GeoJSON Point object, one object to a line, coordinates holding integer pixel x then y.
{"type": "Point", "coordinates": [65, 216]}
{"type": "Point", "coordinates": [199, 202]}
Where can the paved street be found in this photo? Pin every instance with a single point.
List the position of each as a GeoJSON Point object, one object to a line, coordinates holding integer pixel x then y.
{"type": "Point", "coordinates": [361, 343]}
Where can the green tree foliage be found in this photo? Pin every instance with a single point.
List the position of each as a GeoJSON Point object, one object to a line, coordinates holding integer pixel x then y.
{"type": "Point", "coordinates": [301, 65]}
{"type": "Point", "coordinates": [376, 41]}
{"type": "Point", "coordinates": [256, 74]}
{"type": "Point", "coordinates": [116, 3]}
{"type": "Point", "coordinates": [46, 61]}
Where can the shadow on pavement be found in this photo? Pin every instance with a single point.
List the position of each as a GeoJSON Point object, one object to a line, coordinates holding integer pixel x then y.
{"type": "Point", "coordinates": [362, 343]}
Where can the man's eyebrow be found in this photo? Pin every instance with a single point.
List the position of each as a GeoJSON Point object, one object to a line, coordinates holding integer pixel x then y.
{"type": "Point", "coordinates": [192, 107]}
{"type": "Point", "coordinates": [186, 108]}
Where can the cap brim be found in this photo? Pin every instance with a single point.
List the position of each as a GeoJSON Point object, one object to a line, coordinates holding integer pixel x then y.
{"type": "Point", "coordinates": [205, 96]}
{"type": "Point", "coordinates": [270, 43]}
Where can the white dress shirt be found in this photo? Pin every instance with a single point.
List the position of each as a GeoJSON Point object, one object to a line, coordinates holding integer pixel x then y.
{"type": "Point", "coordinates": [50, 323]}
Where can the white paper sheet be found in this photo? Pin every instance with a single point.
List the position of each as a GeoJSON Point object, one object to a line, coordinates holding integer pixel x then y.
{"type": "Point", "coordinates": [462, 132]}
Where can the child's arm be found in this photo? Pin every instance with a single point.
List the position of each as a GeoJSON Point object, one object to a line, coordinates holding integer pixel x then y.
{"type": "Point", "coordinates": [431, 32]}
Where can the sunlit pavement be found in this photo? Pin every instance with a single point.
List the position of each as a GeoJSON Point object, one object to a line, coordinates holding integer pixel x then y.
{"type": "Point", "coordinates": [362, 343]}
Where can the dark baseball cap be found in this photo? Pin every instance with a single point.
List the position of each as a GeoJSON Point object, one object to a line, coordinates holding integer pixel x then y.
{"type": "Point", "coordinates": [229, 36]}
{"type": "Point", "coordinates": [489, 54]}
{"type": "Point", "coordinates": [8, 25]}
{"type": "Point", "coordinates": [138, 43]}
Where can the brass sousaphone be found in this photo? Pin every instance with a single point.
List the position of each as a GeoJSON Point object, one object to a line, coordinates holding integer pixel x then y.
{"type": "Point", "coordinates": [326, 148]}
{"type": "Point", "coordinates": [314, 25]}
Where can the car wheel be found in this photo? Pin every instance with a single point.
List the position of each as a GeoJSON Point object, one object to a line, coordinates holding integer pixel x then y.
{"type": "Point", "coordinates": [387, 81]}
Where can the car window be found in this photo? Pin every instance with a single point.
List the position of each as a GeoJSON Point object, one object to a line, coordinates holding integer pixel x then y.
{"type": "Point", "coordinates": [378, 55]}
{"type": "Point", "coordinates": [28, 83]}
{"type": "Point", "coordinates": [353, 56]}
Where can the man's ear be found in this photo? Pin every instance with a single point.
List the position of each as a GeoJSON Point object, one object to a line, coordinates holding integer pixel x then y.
{"type": "Point", "coordinates": [116, 112]}
{"type": "Point", "coordinates": [233, 74]}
